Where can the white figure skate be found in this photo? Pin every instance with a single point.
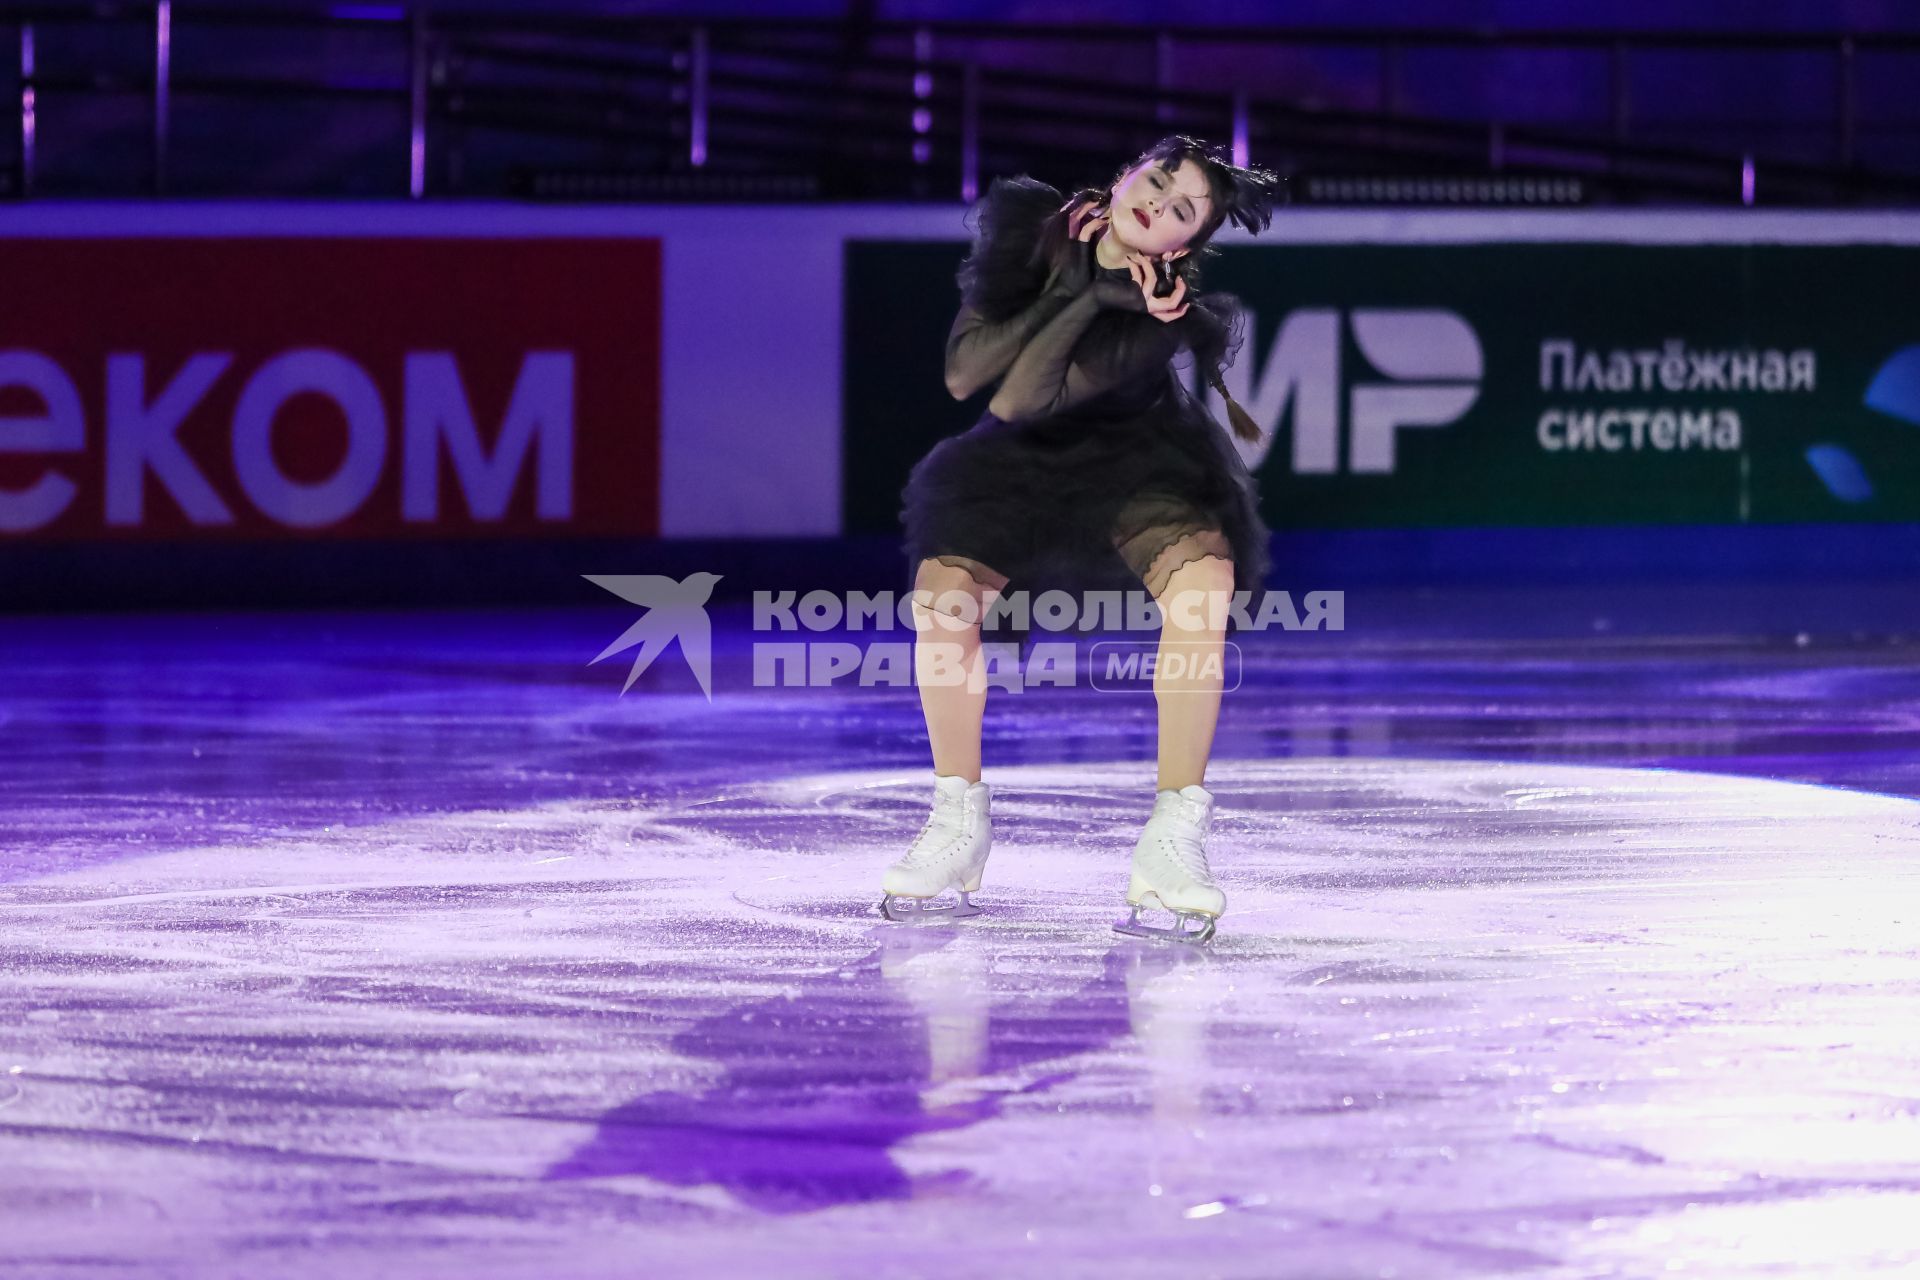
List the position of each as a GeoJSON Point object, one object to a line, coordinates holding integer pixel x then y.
{"type": "Point", "coordinates": [1170, 870]}
{"type": "Point", "coordinates": [949, 853]}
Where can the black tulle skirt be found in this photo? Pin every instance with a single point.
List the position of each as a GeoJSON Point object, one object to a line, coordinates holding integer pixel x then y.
{"type": "Point", "coordinates": [1092, 501]}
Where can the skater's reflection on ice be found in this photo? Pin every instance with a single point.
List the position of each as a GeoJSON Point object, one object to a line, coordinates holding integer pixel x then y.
{"type": "Point", "coordinates": [810, 1091]}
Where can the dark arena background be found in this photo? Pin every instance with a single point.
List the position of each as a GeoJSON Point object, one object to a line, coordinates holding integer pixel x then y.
{"type": "Point", "coordinates": [457, 659]}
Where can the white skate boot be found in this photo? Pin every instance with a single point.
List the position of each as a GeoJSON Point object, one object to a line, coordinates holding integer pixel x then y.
{"type": "Point", "coordinates": [949, 853]}
{"type": "Point", "coordinates": [1170, 869]}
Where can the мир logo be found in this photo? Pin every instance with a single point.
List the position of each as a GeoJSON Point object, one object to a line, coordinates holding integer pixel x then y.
{"type": "Point", "coordinates": [1430, 360]}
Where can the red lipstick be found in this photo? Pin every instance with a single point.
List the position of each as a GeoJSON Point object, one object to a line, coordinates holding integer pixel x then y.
{"type": "Point", "coordinates": [1144, 221]}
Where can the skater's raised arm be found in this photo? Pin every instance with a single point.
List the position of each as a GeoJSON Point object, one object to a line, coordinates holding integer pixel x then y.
{"type": "Point", "coordinates": [1049, 376]}
{"type": "Point", "coordinates": [978, 352]}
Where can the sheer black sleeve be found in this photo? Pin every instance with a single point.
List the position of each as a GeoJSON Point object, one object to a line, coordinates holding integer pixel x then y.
{"type": "Point", "coordinates": [1022, 315]}
{"type": "Point", "coordinates": [1057, 370]}
{"type": "Point", "coordinates": [979, 351]}
{"type": "Point", "coordinates": [1008, 291]}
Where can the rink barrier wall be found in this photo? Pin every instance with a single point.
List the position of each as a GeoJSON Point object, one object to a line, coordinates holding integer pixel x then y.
{"type": "Point", "coordinates": [752, 465]}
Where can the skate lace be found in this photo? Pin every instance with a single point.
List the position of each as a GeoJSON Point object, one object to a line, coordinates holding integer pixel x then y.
{"type": "Point", "coordinates": [1185, 849]}
{"type": "Point", "coordinates": [938, 838]}
{"type": "Point", "coordinates": [1191, 857]}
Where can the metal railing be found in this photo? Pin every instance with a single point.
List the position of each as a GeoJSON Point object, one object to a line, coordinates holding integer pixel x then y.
{"type": "Point", "coordinates": [472, 104]}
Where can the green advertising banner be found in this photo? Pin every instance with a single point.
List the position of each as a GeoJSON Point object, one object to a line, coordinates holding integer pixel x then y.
{"type": "Point", "coordinates": [1493, 384]}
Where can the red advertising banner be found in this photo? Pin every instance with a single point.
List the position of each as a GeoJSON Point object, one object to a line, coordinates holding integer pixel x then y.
{"type": "Point", "coordinates": [262, 388]}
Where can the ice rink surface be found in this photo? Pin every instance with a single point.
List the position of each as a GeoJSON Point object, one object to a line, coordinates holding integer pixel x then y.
{"type": "Point", "coordinates": [403, 945]}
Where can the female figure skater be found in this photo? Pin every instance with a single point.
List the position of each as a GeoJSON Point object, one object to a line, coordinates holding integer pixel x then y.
{"type": "Point", "coordinates": [1094, 468]}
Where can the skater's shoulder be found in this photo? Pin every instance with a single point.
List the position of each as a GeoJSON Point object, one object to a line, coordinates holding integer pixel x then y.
{"type": "Point", "coordinates": [1006, 264]}
{"type": "Point", "coordinates": [1023, 188]}
{"type": "Point", "coordinates": [1013, 208]}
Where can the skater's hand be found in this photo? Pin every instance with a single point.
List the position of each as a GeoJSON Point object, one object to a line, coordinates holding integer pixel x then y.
{"type": "Point", "coordinates": [1139, 295]}
{"type": "Point", "coordinates": [1171, 307]}
{"type": "Point", "coordinates": [1086, 221]}
{"type": "Point", "coordinates": [1071, 271]}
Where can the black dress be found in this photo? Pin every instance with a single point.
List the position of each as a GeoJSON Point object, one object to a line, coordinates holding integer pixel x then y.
{"type": "Point", "coordinates": [1094, 458]}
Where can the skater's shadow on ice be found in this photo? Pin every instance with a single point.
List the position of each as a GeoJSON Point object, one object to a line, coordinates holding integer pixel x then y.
{"type": "Point", "coordinates": [815, 1090]}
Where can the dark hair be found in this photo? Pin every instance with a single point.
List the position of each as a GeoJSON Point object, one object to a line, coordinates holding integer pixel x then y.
{"type": "Point", "coordinates": [1244, 196]}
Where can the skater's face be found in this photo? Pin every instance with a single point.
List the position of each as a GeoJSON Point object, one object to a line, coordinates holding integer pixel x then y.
{"type": "Point", "coordinates": [1156, 210]}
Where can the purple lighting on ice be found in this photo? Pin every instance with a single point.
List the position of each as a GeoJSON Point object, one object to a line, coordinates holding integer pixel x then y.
{"type": "Point", "coordinates": [325, 933]}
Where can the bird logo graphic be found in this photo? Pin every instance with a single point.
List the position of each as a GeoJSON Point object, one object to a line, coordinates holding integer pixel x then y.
{"type": "Point", "coordinates": [675, 609]}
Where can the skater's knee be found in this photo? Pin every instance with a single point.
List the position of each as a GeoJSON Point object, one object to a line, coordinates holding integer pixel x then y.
{"type": "Point", "coordinates": [948, 589]}
{"type": "Point", "coordinates": [1210, 572]}
{"type": "Point", "coordinates": [1198, 562]}
{"type": "Point", "coordinates": [962, 572]}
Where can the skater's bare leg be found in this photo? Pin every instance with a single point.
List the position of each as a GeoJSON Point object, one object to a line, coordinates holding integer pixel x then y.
{"type": "Point", "coordinates": [1170, 870]}
{"type": "Point", "coordinates": [1189, 668]}
{"type": "Point", "coordinates": [947, 662]}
